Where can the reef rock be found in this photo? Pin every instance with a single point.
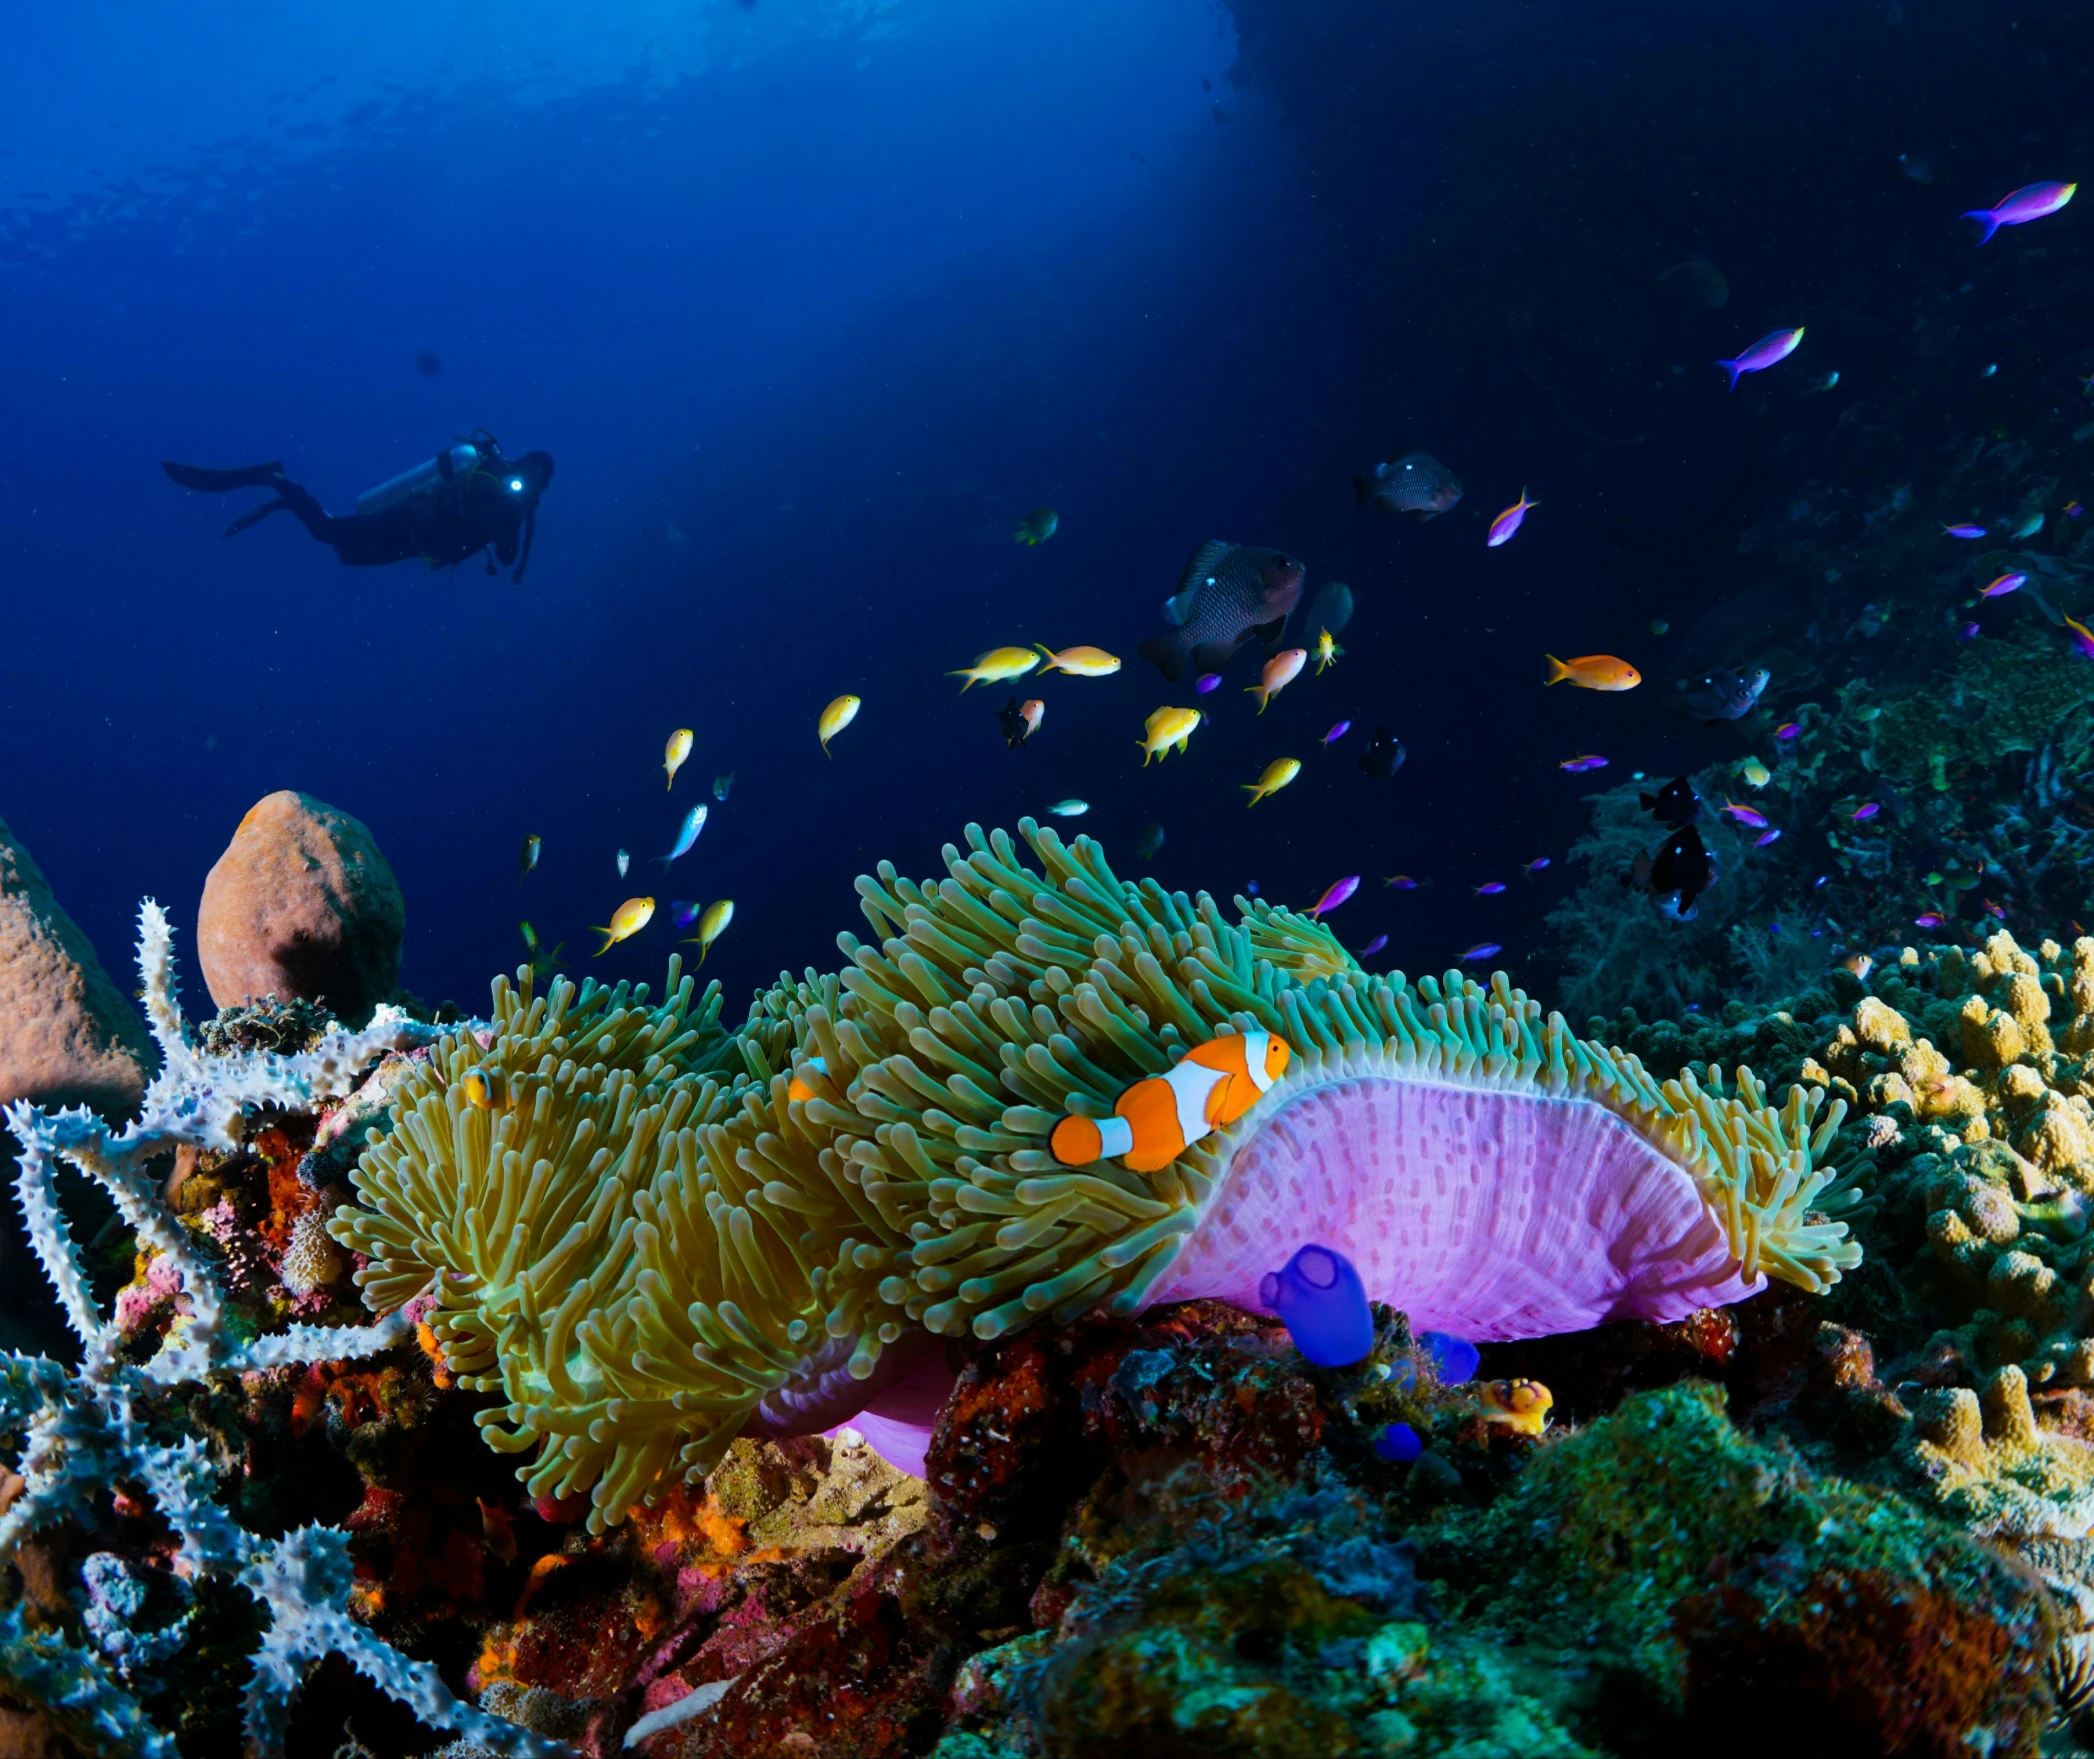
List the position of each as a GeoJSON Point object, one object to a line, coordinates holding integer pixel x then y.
{"type": "Point", "coordinates": [67, 1035]}
{"type": "Point", "coordinates": [301, 906]}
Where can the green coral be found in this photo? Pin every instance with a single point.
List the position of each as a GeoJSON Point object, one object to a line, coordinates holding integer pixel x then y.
{"type": "Point", "coordinates": [1666, 1559]}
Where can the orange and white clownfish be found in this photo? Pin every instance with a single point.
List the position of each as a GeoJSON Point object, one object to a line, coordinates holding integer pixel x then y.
{"type": "Point", "coordinates": [797, 1088]}
{"type": "Point", "coordinates": [1156, 1120]}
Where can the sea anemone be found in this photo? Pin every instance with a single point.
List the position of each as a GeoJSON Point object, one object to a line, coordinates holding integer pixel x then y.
{"type": "Point", "coordinates": [648, 1259]}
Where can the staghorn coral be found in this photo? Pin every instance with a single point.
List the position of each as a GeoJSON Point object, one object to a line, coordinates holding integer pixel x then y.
{"type": "Point", "coordinates": [77, 1434]}
{"type": "Point", "coordinates": [647, 1260]}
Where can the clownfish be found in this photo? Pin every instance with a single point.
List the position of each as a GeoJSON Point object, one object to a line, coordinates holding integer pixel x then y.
{"type": "Point", "coordinates": [1156, 1120]}
{"type": "Point", "coordinates": [796, 1088]}
{"type": "Point", "coordinates": [1521, 1406]}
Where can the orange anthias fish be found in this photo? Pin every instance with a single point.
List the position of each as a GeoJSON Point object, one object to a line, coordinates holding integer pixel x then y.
{"type": "Point", "coordinates": [1165, 728]}
{"type": "Point", "coordinates": [1593, 672]}
{"type": "Point", "coordinates": [1157, 1120]}
{"type": "Point", "coordinates": [1280, 671]}
{"type": "Point", "coordinates": [1519, 1405]}
{"type": "Point", "coordinates": [1080, 662]}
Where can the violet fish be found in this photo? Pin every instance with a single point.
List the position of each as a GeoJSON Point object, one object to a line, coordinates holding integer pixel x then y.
{"type": "Point", "coordinates": [1769, 350]}
{"type": "Point", "coordinates": [1335, 894]}
{"type": "Point", "coordinates": [2031, 202]}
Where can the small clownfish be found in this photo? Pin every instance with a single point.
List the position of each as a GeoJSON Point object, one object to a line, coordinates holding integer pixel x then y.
{"type": "Point", "coordinates": [796, 1088]}
{"type": "Point", "coordinates": [481, 1088]}
{"type": "Point", "coordinates": [1521, 1406]}
{"type": "Point", "coordinates": [1157, 1119]}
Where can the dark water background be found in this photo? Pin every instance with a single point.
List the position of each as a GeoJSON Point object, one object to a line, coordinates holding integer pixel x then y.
{"type": "Point", "coordinates": [813, 314]}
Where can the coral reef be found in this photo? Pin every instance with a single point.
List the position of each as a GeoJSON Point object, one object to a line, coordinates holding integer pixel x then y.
{"type": "Point", "coordinates": [67, 1036]}
{"type": "Point", "coordinates": [301, 906]}
{"type": "Point", "coordinates": [89, 1439]}
{"type": "Point", "coordinates": [646, 1258]}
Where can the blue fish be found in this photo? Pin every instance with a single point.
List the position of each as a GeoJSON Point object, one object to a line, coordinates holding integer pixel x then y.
{"type": "Point", "coordinates": [693, 823]}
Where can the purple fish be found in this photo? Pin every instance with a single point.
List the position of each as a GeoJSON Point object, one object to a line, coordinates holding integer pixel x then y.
{"type": "Point", "coordinates": [1579, 765]}
{"type": "Point", "coordinates": [1335, 894]}
{"type": "Point", "coordinates": [1868, 809]}
{"type": "Point", "coordinates": [1374, 946]}
{"type": "Point", "coordinates": [1965, 530]}
{"type": "Point", "coordinates": [1536, 865]}
{"type": "Point", "coordinates": [1338, 732]}
{"type": "Point", "coordinates": [1928, 919]}
{"type": "Point", "coordinates": [1787, 730]}
{"type": "Point", "coordinates": [2030, 202]}
{"type": "Point", "coordinates": [683, 913]}
{"type": "Point", "coordinates": [1207, 683]}
{"type": "Point", "coordinates": [1969, 632]}
{"type": "Point", "coordinates": [1490, 888]}
{"type": "Point", "coordinates": [1774, 347]}
{"type": "Point", "coordinates": [1402, 882]}
{"type": "Point", "coordinates": [1481, 950]}
{"type": "Point", "coordinates": [1746, 815]}
{"type": "Point", "coordinates": [2082, 637]}
{"type": "Point", "coordinates": [1766, 837]}
{"type": "Point", "coordinates": [2005, 584]}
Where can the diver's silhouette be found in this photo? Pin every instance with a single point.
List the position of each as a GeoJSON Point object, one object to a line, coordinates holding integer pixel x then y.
{"type": "Point", "coordinates": [466, 500]}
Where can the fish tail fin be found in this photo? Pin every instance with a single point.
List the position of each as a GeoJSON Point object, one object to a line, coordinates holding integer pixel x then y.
{"type": "Point", "coordinates": [1557, 671]}
{"type": "Point", "coordinates": [1732, 368]}
{"type": "Point", "coordinates": [1988, 222]}
{"type": "Point", "coordinates": [1260, 692]}
{"type": "Point", "coordinates": [1166, 653]}
{"type": "Point", "coordinates": [968, 674]}
{"type": "Point", "coordinates": [1053, 660]}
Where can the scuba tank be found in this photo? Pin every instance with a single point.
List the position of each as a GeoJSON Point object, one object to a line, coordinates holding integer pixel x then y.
{"type": "Point", "coordinates": [432, 473]}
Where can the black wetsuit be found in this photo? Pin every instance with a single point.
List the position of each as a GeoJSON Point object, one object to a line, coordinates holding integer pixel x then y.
{"type": "Point", "coordinates": [492, 506]}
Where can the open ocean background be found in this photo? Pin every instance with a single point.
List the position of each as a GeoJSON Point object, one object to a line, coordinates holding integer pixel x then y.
{"type": "Point", "coordinates": [812, 303]}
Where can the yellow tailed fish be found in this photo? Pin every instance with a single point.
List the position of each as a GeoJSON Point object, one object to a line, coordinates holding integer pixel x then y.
{"type": "Point", "coordinates": [679, 748]}
{"type": "Point", "coordinates": [837, 716]}
{"type": "Point", "coordinates": [711, 926]}
{"type": "Point", "coordinates": [626, 921]}
{"type": "Point", "coordinates": [1165, 728]}
{"type": "Point", "coordinates": [1080, 662]}
{"type": "Point", "coordinates": [1280, 671]}
{"type": "Point", "coordinates": [1327, 649]}
{"type": "Point", "coordinates": [998, 664]}
{"type": "Point", "coordinates": [1278, 774]}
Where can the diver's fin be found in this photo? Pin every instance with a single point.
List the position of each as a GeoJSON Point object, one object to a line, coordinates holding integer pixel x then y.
{"type": "Point", "coordinates": [217, 482]}
{"type": "Point", "coordinates": [1166, 653]}
{"type": "Point", "coordinates": [255, 518]}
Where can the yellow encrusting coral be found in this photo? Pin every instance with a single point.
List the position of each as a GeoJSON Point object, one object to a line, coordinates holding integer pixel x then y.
{"type": "Point", "coordinates": [638, 1248]}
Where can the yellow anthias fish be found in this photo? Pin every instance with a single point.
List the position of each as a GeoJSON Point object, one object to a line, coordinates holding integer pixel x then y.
{"type": "Point", "coordinates": [1165, 728]}
{"type": "Point", "coordinates": [630, 917]}
{"type": "Point", "coordinates": [1278, 774]}
{"type": "Point", "coordinates": [711, 926]}
{"type": "Point", "coordinates": [1755, 773]}
{"type": "Point", "coordinates": [997, 665]}
{"type": "Point", "coordinates": [1280, 671]}
{"type": "Point", "coordinates": [1080, 662]}
{"type": "Point", "coordinates": [678, 749]}
{"type": "Point", "coordinates": [1327, 649]}
{"type": "Point", "coordinates": [837, 716]}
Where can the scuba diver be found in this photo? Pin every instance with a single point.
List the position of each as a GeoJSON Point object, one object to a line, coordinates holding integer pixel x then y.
{"type": "Point", "coordinates": [467, 500]}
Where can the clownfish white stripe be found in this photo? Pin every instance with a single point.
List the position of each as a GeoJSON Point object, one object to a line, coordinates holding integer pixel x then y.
{"type": "Point", "coordinates": [1254, 1044]}
{"type": "Point", "coordinates": [1115, 1136]}
{"type": "Point", "coordinates": [1192, 1085]}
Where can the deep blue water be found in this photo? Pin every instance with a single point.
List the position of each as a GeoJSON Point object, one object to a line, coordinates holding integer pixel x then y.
{"type": "Point", "coordinates": [811, 304]}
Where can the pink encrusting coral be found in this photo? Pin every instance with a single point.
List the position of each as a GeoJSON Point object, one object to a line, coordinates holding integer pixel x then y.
{"type": "Point", "coordinates": [1490, 1214]}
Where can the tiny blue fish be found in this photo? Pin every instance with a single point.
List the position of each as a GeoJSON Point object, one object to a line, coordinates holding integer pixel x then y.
{"type": "Point", "coordinates": [1766, 837]}
{"type": "Point", "coordinates": [1963, 531]}
{"type": "Point", "coordinates": [1481, 950]}
{"type": "Point", "coordinates": [1536, 865]}
{"type": "Point", "coordinates": [721, 784]}
{"type": "Point", "coordinates": [1338, 732]}
{"type": "Point", "coordinates": [684, 911]}
{"type": "Point", "coordinates": [1374, 946]}
{"type": "Point", "coordinates": [1969, 632]}
{"type": "Point", "coordinates": [1490, 888]}
{"type": "Point", "coordinates": [693, 823]}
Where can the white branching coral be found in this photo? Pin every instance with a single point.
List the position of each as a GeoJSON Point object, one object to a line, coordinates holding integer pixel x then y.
{"type": "Point", "coordinates": [75, 1432]}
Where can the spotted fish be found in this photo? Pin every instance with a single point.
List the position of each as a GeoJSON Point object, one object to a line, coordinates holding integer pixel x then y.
{"type": "Point", "coordinates": [1417, 484]}
{"type": "Point", "coordinates": [1227, 593]}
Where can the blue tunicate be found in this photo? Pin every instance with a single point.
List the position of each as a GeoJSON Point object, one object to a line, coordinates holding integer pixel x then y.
{"type": "Point", "coordinates": [1454, 1359]}
{"type": "Point", "coordinates": [1398, 1444]}
{"type": "Point", "coordinates": [1323, 1303]}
